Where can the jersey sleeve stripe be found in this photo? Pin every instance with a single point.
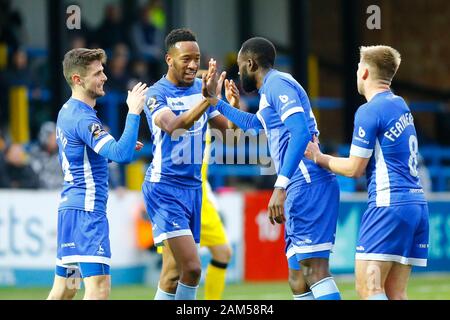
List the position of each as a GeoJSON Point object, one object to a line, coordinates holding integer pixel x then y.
{"type": "Point", "coordinates": [360, 152]}
{"type": "Point", "coordinates": [154, 114]}
{"type": "Point", "coordinates": [290, 112]}
{"type": "Point", "coordinates": [102, 142]}
{"type": "Point", "coordinates": [213, 114]}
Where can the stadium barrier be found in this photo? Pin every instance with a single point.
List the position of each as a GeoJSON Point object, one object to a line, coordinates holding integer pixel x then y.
{"type": "Point", "coordinates": [28, 237]}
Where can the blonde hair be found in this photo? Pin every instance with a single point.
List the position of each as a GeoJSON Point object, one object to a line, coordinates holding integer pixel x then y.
{"type": "Point", "coordinates": [383, 60]}
{"type": "Point", "coordinates": [77, 61]}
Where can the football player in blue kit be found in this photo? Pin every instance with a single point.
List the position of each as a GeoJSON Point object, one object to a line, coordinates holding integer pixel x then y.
{"type": "Point", "coordinates": [393, 235]}
{"type": "Point", "coordinates": [83, 245]}
{"type": "Point", "coordinates": [305, 196]}
{"type": "Point", "coordinates": [178, 113]}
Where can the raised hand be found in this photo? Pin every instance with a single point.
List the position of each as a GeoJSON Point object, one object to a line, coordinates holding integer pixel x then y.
{"type": "Point", "coordinates": [210, 80]}
{"type": "Point", "coordinates": [136, 98]}
{"type": "Point", "coordinates": [220, 84]}
{"type": "Point", "coordinates": [232, 93]}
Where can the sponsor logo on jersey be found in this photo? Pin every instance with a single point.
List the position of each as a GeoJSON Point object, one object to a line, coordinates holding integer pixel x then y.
{"type": "Point", "coordinates": [361, 132]}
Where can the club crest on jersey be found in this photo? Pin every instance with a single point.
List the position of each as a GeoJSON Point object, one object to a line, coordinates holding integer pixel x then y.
{"type": "Point", "coordinates": [151, 103]}
{"type": "Point", "coordinates": [96, 130]}
{"type": "Point", "coordinates": [284, 98]}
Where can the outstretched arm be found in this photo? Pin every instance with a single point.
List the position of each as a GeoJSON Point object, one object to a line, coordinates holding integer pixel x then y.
{"type": "Point", "coordinates": [122, 151]}
{"type": "Point", "coordinates": [242, 119]}
{"type": "Point", "coordinates": [353, 166]}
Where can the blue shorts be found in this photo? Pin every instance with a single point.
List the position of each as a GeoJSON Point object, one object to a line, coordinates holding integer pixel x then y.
{"type": "Point", "coordinates": [311, 212]}
{"type": "Point", "coordinates": [82, 237]}
{"type": "Point", "coordinates": [82, 270]}
{"type": "Point", "coordinates": [396, 233]}
{"type": "Point", "coordinates": [173, 211]}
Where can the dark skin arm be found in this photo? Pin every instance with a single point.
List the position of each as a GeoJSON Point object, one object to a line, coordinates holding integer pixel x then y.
{"type": "Point", "coordinates": [177, 125]}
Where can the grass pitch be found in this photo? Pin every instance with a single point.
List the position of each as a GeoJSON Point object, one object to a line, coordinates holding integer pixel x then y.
{"type": "Point", "coordinates": [421, 287]}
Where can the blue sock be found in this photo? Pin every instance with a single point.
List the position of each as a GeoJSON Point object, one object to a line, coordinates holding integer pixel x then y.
{"type": "Point", "coordinates": [378, 296]}
{"type": "Point", "coordinates": [304, 296]}
{"type": "Point", "coordinates": [325, 289]}
{"type": "Point", "coordinates": [162, 295]}
{"type": "Point", "coordinates": [185, 292]}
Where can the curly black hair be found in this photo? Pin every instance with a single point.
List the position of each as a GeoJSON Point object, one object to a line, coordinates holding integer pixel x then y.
{"type": "Point", "coordinates": [178, 35]}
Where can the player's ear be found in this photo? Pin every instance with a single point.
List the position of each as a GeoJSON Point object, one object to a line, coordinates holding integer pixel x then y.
{"type": "Point", "coordinates": [169, 60]}
{"type": "Point", "coordinates": [365, 74]}
{"type": "Point", "coordinates": [252, 65]}
{"type": "Point", "coordinates": [76, 79]}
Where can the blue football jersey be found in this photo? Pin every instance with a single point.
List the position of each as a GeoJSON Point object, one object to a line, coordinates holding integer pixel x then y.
{"type": "Point", "coordinates": [176, 160]}
{"type": "Point", "coordinates": [384, 132]}
{"type": "Point", "coordinates": [80, 136]}
{"type": "Point", "coordinates": [281, 96]}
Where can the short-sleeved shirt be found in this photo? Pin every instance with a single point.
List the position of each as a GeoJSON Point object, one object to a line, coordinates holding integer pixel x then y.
{"type": "Point", "coordinates": [384, 132]}
{"type": "Point", "coordinates": [176, 161]}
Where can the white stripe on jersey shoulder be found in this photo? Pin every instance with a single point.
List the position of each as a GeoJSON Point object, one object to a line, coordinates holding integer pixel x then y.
{"type": "Point", "coordinates": [185, 102]}
{"type": "Point", "coordinates": [213, 114]}
{"type": "Point", "coordinates": [360, 152]}
{"type": "Point", "coordinates": [154, 114]}
{"type": "Point", "coordinates": [89, 197]}
{"type": "Point", "coordinates": [263, 103]}
{"type": "Point", "coordinates": [102, 142]}
{"type": "Point", "coordinates": [291, 112]}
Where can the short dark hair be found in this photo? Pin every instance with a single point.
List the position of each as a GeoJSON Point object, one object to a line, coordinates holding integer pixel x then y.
{"type": "Point", "coordinates": [262, 50]}
{"type": "Point", "coordinates": [78, 60]}
{"type": "Point", "coordinates": [178, 35]}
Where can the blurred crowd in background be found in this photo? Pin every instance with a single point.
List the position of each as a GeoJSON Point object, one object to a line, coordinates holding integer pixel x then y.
{"type": "Point", "coordinates": [135, 53]}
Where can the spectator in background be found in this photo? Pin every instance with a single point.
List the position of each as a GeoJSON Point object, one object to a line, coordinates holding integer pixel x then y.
{"type": "Point", "coordinates": [118, 76]}
{"type": "Point", "coordinates": [77, 41]}
{"type": "Point", "coordinates": [139, 72]}
{"type": "Point", "coordinates": [112, 30]}
{"type": "Point", "coordinates": [44, 158]}
{"type": "Point", "coordinates": [148, 40]}
{"type": "Point", "coordinates": [18, 71]}
{"type": "Point", "coordinates": [157, 14]}
{"type": "Point", "coordinates": [11, 25]}
{"type": "Point", "coordinates": [17, 170]}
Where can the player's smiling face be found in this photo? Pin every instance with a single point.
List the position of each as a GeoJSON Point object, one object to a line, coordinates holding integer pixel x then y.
{"type": "Point", "coordinates": [183, 60]}
{"type": "Point", "coordinates": [94, 80]}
